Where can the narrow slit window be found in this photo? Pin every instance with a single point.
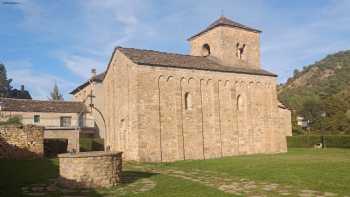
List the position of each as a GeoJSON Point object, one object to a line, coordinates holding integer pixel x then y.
{"type": "Point", "coordinates": [239, 103]}
{"type": "Point", "coordinates": [188, 101]}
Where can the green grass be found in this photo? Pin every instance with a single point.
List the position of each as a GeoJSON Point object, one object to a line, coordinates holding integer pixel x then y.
{"type": "Point", "coordinates": [91, 144]}
{"type": "Point", "coordinates": [322, 170]}
{"type": "Point", "coordinates": [172, 187]}
{"type": "Point", "coordinates": [15, 174]}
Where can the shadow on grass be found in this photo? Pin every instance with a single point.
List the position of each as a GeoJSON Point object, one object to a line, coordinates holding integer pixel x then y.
{"type": "Point", "coordinates": [24, 173]}
{"type": "Point", "coordinates": [15, 175]}
{"type": "Point", "coordinates": [128, 177]}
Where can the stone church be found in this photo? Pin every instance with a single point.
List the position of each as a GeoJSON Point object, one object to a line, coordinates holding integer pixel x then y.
{"type": "Point", "coordinates": [215, 102]}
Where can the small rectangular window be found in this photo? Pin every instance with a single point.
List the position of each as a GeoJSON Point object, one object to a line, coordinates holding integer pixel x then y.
{"type": "Point", "coordinates": [36, 119]}
{"type": "Point", "coordinates": [65, 121]}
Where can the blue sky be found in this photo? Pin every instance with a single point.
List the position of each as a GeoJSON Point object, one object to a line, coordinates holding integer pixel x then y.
{"type": "Point", "coordinates": [48, 41]}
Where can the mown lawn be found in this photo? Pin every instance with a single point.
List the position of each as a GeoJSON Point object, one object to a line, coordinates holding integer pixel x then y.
{"type": "Point", "coordinates": [322, 170]}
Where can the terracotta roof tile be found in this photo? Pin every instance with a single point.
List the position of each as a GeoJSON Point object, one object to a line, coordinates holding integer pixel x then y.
{"type": "Point", "coordinates": [26, 105]}
{"type": "Point", "coordinates": [162, 59]}
{"type": "Point", "coordinates": [223, 21]}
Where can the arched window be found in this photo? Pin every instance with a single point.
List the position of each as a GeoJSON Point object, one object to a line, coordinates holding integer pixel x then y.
{"type": "Point", "coordinates": [205, 50]}
{"type": "Point", "coordinates": [237, 50]}
{"type": "Point", "coordinates": [240, 50]}
{"type": "Point", "coordinates": [188, 101]}
{"type": "Point", "coordinates": [239, 103]}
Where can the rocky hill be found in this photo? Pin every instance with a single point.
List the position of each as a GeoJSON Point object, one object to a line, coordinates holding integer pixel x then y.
{"type": "Point", "coordinates": [322, 88]}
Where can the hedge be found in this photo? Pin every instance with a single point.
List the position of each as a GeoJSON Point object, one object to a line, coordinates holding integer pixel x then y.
{"type": "Point", "coordinates": [91, 144]}
{"type": "Point", "coordinates": [308, 141]}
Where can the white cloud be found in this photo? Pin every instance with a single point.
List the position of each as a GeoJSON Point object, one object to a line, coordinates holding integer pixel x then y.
{"type": "Point", "coordinates": [38, 83]}
{"type": "Point", "coordinates": [81, 65]}
{"type": "Point", "coordinates": [294, 45]}
{"type": "Point", "coordinates": [301, 36]}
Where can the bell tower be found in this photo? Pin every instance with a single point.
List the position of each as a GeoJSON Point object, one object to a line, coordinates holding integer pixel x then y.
{"type": "Point", "coordinates": [228, 43]}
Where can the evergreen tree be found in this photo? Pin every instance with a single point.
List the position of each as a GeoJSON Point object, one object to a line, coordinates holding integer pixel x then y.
{"type": "Point", "coordinates": [5, 87]}
{"type": "Point", "coordinates": [55, 94]}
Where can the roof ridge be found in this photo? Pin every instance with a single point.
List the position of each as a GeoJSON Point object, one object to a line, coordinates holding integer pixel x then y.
{"type": "Point", "coordinates": [163, 52]}
{"type": "Point", "coordinates": [172, 53]}
{"type": "Point", "coordinates": [34, 100]}
{"type": "Point", "coordinates": [224, 21]}
{"type": "Point", "coordinates": [129, 52]}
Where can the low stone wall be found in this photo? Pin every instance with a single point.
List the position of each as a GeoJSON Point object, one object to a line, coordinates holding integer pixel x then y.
{"type": "Point", "coordinates": [21, 142]}
{"type": "Point", "coordinates": [90, 169]}
{"type": "Point", "coordinates": [72, 135]}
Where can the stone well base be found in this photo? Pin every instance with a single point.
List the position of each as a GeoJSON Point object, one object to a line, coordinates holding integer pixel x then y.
{"type": "Point", "coordinates": [90, 169]}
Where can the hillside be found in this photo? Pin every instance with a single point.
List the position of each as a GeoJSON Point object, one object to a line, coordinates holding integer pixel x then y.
{"type": "Point", "coordinates": [321, 87]}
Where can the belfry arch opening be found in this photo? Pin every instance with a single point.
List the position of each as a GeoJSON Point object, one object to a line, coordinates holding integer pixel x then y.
{"type": "Point", "coordinates": [240, 50]}
{"type": "Point", "coordinates": [205, 50]}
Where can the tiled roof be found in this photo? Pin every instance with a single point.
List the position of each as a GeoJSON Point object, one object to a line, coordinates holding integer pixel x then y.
{"type": "Point", "coordinates": [162, 59]}
{"type": "Point", "coordinates": [281, 105]}
{"type": "Point", "coordinates": [223, 21]}
{"type": "Point", "coordinates": [27, 105]}
{"type": "Point", "coordinates": [97, 78]}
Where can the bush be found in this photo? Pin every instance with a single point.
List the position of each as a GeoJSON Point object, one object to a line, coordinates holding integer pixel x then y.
{"type": "Point", "coordinates": [91, 144]}
{"type": "Point", "coordinates": [13, 120]}
{"type": "Point", "coordinates": [308, 141]}
{"type": "Point", "coordinates": [338, 141]}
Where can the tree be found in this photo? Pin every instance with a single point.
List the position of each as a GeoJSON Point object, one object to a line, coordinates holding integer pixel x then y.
{"type": "Point", "coordinates": [312, 109]}
{"type": "Point", "coordinates": [6, 90]}
{"type": "Point", "coordinates": [295, 72]}
{"type": "Point", "coordinates": [5, 86]}
{"type": "Point", "coordinates": [321, 88]}
{"type": "Point", "coordinates": [55, 94]}
{"type": "Point", "coordinates": [19, 94]}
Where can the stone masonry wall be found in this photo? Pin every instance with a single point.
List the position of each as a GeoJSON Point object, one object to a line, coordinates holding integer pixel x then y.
{"type": "Point", "coordinates": [72, 135]}
{"type": "Point", "coordinates": [227, 114]}
{"type": "Point", "coordinates": [285, 120]}
{"type": "Point", "coordinates": [83, 95]}
{"type": "Point", "coordinates": [120, 107]}
{"type": "Point", "coordinates": [20, 142]}
{"type": "Point", "coordinates": [165, 114]}
{"type": "Point", "coordinates": [90, 169]}
{"type": "Point", "coordinates": [222, 42]}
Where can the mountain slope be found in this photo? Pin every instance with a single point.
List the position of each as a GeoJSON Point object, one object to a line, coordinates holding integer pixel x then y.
{"type": "Point", "coordinates": [318, 88]}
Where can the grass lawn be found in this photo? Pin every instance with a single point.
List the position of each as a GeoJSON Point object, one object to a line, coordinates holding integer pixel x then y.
{"type": "Point", "coordinates": [321, 170]}
{"type": "Point", "coordinates": [17, 173]}
{"type": "Point", "coordinates": [324, 170]}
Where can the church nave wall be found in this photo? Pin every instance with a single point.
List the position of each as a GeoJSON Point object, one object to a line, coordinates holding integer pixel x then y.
{"type": "Point", "coordinates": [203, 116]}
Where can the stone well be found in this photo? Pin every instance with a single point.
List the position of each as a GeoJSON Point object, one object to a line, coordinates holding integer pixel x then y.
{"type": "Point", "coordinates": [90, 169]}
